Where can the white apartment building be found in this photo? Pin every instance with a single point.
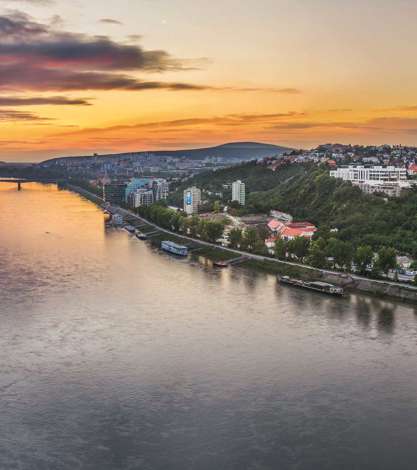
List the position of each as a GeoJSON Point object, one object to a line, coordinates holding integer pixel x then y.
{"type": "Point", "coordinates": [239, 192]}
{"type": "Point", "coordinates": [374, 174]}
{"type": "Point", "coordinates": [192, 200]}
{"type": "Point", "coordinates": [143, 197]}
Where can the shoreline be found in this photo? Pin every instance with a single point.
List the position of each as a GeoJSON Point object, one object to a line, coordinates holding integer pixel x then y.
{"type": "Point", "coordinates": [351, 282]}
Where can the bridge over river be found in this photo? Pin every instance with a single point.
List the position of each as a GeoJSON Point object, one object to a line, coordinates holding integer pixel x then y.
{"type": "Point", "coordinates": [20, 181]}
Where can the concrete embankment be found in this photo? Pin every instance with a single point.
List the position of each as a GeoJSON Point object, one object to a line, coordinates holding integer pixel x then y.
{"type": "Point", "coordinates": [274, 266]}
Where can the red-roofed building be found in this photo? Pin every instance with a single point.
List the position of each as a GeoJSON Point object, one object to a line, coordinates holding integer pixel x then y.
{"type": "Point", "coordinates": [275, 226]}
{"type": "Point", "coordinates": [412, 169]}
{"type": "Point", "coordinates": [298, 229]}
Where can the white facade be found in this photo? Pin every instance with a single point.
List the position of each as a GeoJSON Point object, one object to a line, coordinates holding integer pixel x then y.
{"type": "Point", "coordinates": [192, 200]}
{"type": "Point", "coordinates": [143, 197]}
{"type": "Point", "coordinates": [375, 174]}
{"type": "Point", "coordinates": [238, 192]}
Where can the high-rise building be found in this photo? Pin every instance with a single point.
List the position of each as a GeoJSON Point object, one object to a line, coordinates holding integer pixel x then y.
{"type": "Point", "coordinates": [192, 200]}
{"type": "Point", "coordinates": [158, 186]}
{"type": "Point", "coordinates": [238, 192]}
{"type": "Point", "coordinates": [143, 197]}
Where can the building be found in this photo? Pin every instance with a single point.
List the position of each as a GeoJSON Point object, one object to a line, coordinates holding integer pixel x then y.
{"type": "Point", "coordinates": [298, 229]}
{"type": "Point", "coordinates": [158, 186]}
{"type": "Point", "coordinates": [374, 174]}
{"type": "Point", "coordinates": [389, 180]}
{"type": "Point", "coordinates": [160, 189]}
{"type": "Point", "coordinates": [115, 193]}
{"type": "Point", "coordinates": [288, 231]}
{"type": "Point", "coordinates": [192, 200]}
{"type": "Point", "coordinates": [238, 192]}
{"type": "Point", "coordinates": [143, 197]}
{"type": "Point", "coordinates": [412, 169]}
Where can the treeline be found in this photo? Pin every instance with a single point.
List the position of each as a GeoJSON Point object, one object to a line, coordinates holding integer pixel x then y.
{"type": "Point", "coordinates": [175, 221]}
{"type": "Point", "coordinates": [337, 255]}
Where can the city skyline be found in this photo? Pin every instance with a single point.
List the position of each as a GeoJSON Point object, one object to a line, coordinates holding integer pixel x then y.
{"type": "Point", "coordinates": [77, 79]}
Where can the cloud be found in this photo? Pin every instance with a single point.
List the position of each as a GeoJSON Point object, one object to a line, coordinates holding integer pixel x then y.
{"type": "Point", "coordinates": [36, 56]}
{"type": "Point", "coordinates": [13, 115]}
{"type": "Point", "coordinates": [39, 101]}
{"type": "Point", "coordinates": [23, 40]}
{"type": "Point", "coordinates": [110, 21]}
{"type": "Point", "coordinates": [19, 77]}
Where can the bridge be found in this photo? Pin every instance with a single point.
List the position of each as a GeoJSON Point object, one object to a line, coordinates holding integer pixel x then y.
{"type": "Point", "coordinates": [20, 181]}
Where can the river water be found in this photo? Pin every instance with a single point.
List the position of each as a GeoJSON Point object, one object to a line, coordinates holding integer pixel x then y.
{"type": "Point", "coordinates": [116, 356]}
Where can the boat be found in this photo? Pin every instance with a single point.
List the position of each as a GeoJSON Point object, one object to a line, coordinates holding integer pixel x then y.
{"type": "Point", "coordinates": [129, 228]}
{"type": "Point", "coordinates": [318, 286]}
{"type": "Point", "coordinates": [174, 248]}
{"type": "Point", "coordinates": [220, 264]}
{"type": "Point", "coordinates": [141, 235]}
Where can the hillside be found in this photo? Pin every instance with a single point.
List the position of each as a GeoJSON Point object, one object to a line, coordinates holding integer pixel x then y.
{"type": "Point", "coordinates": [360, 218]}
{"type": "Point", "coordinates": [309, 193]}
{"type": "Point", "coordinates": [256, 178]}
{"type": "Point", "coordinates": [233, 150]}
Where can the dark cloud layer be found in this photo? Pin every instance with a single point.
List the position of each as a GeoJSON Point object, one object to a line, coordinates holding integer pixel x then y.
{"type": "Point", "coordinates": [13, 115]}
{"type": "Point", "coordinates": [39, 101]}
{"type": "Point", "coordinates": [35, 56]}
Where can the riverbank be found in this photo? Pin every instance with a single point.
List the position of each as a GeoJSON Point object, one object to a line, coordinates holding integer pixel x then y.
{"type": "Point", "coordinates": [262, 263]}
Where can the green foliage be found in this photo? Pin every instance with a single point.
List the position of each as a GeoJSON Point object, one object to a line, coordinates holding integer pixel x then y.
{"type": "Point", "coordinates": [317, 253]}
{"type": "Point", "coordinates": [363, 258]}
{"type": "Point", "coordinates": [341, 252]}
{"type": "Point", "coordinates": [298, 247]}
{"type": "Point", "coordinates": [386, 259]}
{"type": "Point", "coordinates": [280, 249]}
{"type": "Point", "coordinates": [249, 239]}
{"type": "Point", "coordinates": [235, 238]}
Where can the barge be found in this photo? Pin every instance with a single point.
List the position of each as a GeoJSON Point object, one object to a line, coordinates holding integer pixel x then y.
{"type": "Point", "coordinates": [174, 248]}
{"type": "Point", "coordinates": [318, 286]}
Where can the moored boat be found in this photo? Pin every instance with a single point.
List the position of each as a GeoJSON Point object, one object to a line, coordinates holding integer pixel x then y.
{"type": "Point", "coordinates": [141, 235]}
{"type": "Point", "coordinates": [318, 286]}
{"type": "Point", "coordinates": [174, 248]}
{"type": "Point", "coordinates": [220, 264]}
{"type": "Point", "coordinates": [129, 228]}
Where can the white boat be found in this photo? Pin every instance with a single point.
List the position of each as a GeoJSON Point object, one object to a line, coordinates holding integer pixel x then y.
{"type": "Point", "coordinates": [174, 248]}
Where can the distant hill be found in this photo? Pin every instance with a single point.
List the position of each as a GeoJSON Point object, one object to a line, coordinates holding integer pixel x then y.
{"type": "Point", "coordinates": [235, 150]}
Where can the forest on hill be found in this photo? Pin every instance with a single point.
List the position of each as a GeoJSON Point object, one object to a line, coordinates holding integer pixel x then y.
{"type": "Point", "coordinates": [308, 193]}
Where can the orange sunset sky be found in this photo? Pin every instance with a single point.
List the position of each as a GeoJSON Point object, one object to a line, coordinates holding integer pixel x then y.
{"type": "Point", "coordinates": [83, 77]}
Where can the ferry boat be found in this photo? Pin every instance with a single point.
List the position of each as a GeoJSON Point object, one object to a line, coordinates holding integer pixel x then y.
{"type": "Point", "coordinates": [141, 235]}
{"type": "Point", "coordinates": [317, 286]}
{"type": "Point", "coordinates": [174, 248]}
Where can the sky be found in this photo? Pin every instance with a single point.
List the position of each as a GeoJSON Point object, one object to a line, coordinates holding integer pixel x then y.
{"type": "Point", "coordinates": [78, 78]}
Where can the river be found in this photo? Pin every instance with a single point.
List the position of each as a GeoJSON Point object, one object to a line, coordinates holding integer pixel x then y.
{"type": "Point", "coordinates": [117, 356]}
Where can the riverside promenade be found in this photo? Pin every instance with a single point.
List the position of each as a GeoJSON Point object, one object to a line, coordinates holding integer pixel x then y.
{"type": "Point", "coordinates": [347, 280]}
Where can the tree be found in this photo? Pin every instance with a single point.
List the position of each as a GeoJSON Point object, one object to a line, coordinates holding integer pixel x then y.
{"type": "Point", "coordinates": [213, 231]}
{"type": "Point", "coordinates": [249, 239]}
{"type": "Point", "coordinates": [280, 249]}
{"type": "Point", "coordinates": [216, 207]}
{"type": "Point", "coordinates": [299, 247]}
{"type": "Point", "coordinates": [363, 258]}
{"type": "Point", "coordinates": [387, 259]}
{"type": "Point", "coordinates": [317, 254]}
{"type": "Point", "coordinates": [341, 252]}
{"type": "Point", "coordinates": [235, 238]}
